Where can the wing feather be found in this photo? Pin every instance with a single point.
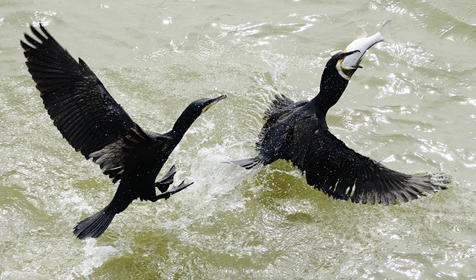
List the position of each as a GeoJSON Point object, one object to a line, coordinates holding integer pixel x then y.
{"type": "Point", "coordinates": [76, 100]}
{"type": "Point", "coordinates": [279, 109]}
{"type": "Point", "coordinates": [344, 174]}
{"type": "Point", "coordinates": [127, 154]}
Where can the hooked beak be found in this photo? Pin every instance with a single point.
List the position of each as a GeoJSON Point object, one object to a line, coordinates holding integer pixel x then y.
{"type": "Point", "coordinates": [213, 102]}
{"type": "Point", "coordinates": [349, 71]}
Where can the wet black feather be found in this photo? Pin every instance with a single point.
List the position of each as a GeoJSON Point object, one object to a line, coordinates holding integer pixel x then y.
{"type": "Point", "coordinates": [97, 126]}
{"type": "Point", "coordinates": [298, 132]}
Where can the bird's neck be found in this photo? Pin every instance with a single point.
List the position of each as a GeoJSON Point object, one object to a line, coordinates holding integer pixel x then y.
{"type": "Point", "coordinates": [331, 89]}
{"type": "Point", "coordinates": [182, 124]}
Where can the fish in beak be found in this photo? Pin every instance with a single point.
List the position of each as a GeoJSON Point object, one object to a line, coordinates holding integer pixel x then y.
{"type": "Point", "coordinates": [350, 63]}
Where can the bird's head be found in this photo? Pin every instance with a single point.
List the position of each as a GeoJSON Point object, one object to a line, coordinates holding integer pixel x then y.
{"type": "Point", "coordinates": [193, 111]}
{"type": "Point", "coordinates": [200, 106]}
{"type": "Point", "coordinates": [335, 63]}
{"type": "Point", "coordinates": [334, 75]}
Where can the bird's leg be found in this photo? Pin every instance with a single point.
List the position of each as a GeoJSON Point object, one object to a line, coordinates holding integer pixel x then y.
{"type": "Point", "coordinates": [170, 192]}
{"type": "Point", "coordinates": [164, 183]}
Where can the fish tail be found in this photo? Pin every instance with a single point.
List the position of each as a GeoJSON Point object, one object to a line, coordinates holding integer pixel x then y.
{"type": "Point", "coordinates": [385, 31]}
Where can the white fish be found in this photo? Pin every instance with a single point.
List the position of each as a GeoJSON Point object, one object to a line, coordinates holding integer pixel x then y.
{"type": "Point", "coordinates": [350, 63]}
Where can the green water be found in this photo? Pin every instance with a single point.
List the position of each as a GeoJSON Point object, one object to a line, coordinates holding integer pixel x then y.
{"type": "Point", "coordinates": [412, 106]}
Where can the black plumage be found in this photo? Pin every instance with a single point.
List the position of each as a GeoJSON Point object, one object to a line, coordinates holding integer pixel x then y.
{"type": "Point", "coordinates": [298, 132]}
{"type": "Point", "coordinates": [98, 127]}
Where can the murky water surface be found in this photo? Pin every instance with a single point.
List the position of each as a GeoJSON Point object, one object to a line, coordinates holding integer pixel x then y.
{"type": "Point", "coordinates": [412, 106]}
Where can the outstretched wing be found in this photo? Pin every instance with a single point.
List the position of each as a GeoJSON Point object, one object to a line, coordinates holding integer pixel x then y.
{"type": "Point", "coordinates": [78, 103]}
{"type": "Point", "coordinates": [342, 173]}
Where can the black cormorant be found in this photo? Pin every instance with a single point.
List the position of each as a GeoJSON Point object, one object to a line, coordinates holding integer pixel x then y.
{"type": "Point", "coordinates": [298, 132]}
{"type": "Point", "coordinates": [98, 127]}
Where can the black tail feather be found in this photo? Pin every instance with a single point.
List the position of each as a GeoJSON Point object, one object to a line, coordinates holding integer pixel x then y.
{"type": "Point", "coordinates": [93, 226]}
{"type": "Point", "coordinates": [249, 163]}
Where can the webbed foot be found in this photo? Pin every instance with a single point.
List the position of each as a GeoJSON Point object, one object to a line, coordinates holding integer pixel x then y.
{"type": "Point", "coordinates": [176, 189]}
{"type": "Point", "coordinates": [164, 183]}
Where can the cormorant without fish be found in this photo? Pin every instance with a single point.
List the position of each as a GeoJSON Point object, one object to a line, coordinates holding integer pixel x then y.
{"type": "Point", "coordinates": [98, 127]}
{"type": "Point", "coordinates": [298, 132]}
